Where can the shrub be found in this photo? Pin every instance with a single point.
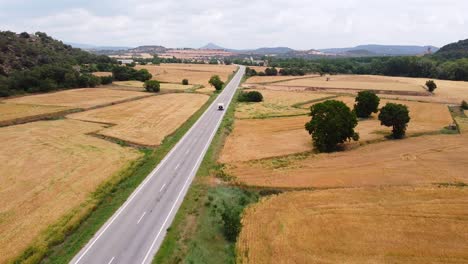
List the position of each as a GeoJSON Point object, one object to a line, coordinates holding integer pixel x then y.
{"type": "Point", "coordinates": [142, 75]}
{"type": "Point", "coordinates": [106, 79]}
{"type": "Point", "coordinates": [366, 103]}
{"type": "Point", "coordinates": [332, 123]}
{"type": "Point", "coordinates": [185, 82]}
{"type": "Point", "coordinates": [216, 82]}
{"type": "Point", "coordinates": [396, 116]}
{"type": "Point", "coordinates": [250, 72]}
{"type": "Point", "coordinates": [431, 86]}
{"type": "Point", "coordinates": [152, 86]}
{"type": "Point", "coordinates": [271, 71]}
{"type": "Point", "coordinates": [231, 216]}
{"type": "Point", "coordinates": [252, 96]}
{"type": "Point", "coordinates": [464, 105]}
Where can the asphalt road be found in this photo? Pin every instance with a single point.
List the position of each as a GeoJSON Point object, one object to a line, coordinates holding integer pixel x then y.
{"type": "Point", "coordinates": [135, 232]}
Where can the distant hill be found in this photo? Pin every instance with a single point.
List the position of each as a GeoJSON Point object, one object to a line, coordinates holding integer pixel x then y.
{"type": "Point", "coordinates": [152, 49]}
{"type": "Point", "coordinates": [383, 50]}
{"type": "Point", "coordinates": [96, 48]}
{"type": "Point", "coordinates": [455, 50]}
{"type": "Point", "coordinates": [212, 46]}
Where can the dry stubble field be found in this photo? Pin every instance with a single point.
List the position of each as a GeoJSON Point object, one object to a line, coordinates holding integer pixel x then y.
{"type": "Point", "coordinates": [363, 225]}
{"type": "Point", "coordinates": [196, 73]}
{"type": "Point", "coordinates": [139, 86]}
{"type": "Point", "coordinates": [147, 121]}
{"type": "Point", "coordinates": [12, 111]}
{"type": "Point", "coordinates": [49, 168]}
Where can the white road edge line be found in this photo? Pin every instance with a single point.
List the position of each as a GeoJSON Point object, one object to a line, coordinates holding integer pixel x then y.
{"type": "Point", "coordinates": [177, 166]}
{"type": "Point", "coordinates": [143, 215]}
{"type": "Point", "coordinates": [112, 259]}
{"type": "Point", "coordinates": [185, 184]}
{"type": "Point", "coordinates": [129, 200]}
{"type": "Point", "coordinates": [164, 185]}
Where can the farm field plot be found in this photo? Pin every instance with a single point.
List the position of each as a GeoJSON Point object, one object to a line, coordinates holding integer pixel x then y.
{"type": "Point", "coordinates": [10, 112]}
{"type": "Point", "coordinates": [102, 74]}
{"type": "Point", "coordinates": [139, 86]}
{"type": "Point", "coordinates": [79, 98]}
{"type": "Point", "coordinates": [280, 79]}
{"type": "Point", "coordinates": [147, 121]}
{"type": "Point", "coordinates": [195, 73]}
{"type": "Point", "coordinates": [418, 160]}
{"type": "Point", "coordinates": [264, 138]}
{"type": "Point", "coordinates": [364, 225]}
{"type": "Point", "coordinates": [48, 169]}
{"type": "Point", "coordinates": [365, 82]}
{"type": "Point", "coordinates": [277, 103]}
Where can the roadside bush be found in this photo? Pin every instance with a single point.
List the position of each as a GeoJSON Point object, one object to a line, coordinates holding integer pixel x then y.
{"type": "Point", "coordinates": [332, 123]}
{"type": "Point", "coordinates": [250, 72]}
{"type": "Point", "coordinates": [271, 71]}
{"type": "Point", "coordinates": [185, 82]}
{"type": "Point", "coordinates": [231, 216]}
{"type": "Point", "coordinates": [152, 86]}
{"type": "Point", "coordinates": [88, 80]}
{"type": "Point", "coordinates": [464, 105]}
{"type": "Point", "coordinates": [216, 82]}
{"type": "Point", "coordinates": [431, 86]}
{"type": "Point", "coordinates": [366, 103]}
{"type": "Point", "coordinates": [252, 96]}
{"type": "Point", "coordinates": [396, 116]}
{"type": "Point", "coordinates": [106, 79]}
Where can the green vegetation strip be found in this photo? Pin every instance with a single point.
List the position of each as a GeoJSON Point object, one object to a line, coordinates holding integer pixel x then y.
{"type": "Point", "coordinates": [61, 241]}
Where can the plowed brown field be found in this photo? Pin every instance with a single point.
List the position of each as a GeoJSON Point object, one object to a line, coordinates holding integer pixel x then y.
{"type": "Point", "coordinates": [375, 225]}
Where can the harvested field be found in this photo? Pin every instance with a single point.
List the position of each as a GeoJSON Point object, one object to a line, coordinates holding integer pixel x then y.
{"type": "Point", "coordinates": [79, 98]}
{"type": "Point", "coordinates": [49, 168]}
{"type": "Point", "coordinates": [418, 160]}
{"type": "Point", "coordinates": [195, 73]}
{"type": "Point", "coordinates": [277, 103]}
{"type": "Point", "coordinates": [147, 121]}
{"type": "Point", "coordinates": [279, 79]}
{"type": "Point", "coordinates": [264, 138]}
{"type": "Point", "coordinates": [368, 225]}
{"type": "Point", "coordinates": [102, 74]}
{"type": "Point", "coordinates": [11, 113]}
{"type": "Point", "coordinates": [139, 86]}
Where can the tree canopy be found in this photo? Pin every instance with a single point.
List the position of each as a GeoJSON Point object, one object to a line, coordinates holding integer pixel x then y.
{"type": "Point", "coordinates": [332, 123]}
{"type": "Point", "coordinates": [396, 116]}
{"type": "Point", "coordinates": [367, 103]}
{"type": "Point", "coordinates": [216, 82]}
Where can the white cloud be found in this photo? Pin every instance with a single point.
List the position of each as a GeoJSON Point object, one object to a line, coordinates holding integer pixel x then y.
{"type": "Point", "coordinates": [243, 24]}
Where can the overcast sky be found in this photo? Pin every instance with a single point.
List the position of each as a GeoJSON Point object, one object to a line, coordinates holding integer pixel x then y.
{"type": "Point", "coordinates": [299, 24]}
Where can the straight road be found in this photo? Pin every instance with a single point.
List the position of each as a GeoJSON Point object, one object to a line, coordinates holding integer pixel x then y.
{"type": "Point", "coordinates": [135, 232]}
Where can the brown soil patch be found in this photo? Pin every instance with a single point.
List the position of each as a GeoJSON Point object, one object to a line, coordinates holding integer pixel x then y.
{"type": "Point", "coordinates": [79, 98]}
{"type": "Point", "coordinates": [376, 225]}
{"type": "Point", "coordinates": [49, 168]}
{"type": "Point", "coordinates": [419, 160]}
{"type": "Point", "coordinates": [147, 121]}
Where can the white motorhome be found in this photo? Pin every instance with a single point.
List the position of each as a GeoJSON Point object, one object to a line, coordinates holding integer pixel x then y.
{"type": "Point", "coordinates": [220, 106]}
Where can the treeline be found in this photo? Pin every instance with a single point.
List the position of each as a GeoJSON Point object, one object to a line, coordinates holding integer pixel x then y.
{"type": "Point", "coordinates": [32, 63]}
{"type": "Point", "coordinates": [427, 67]}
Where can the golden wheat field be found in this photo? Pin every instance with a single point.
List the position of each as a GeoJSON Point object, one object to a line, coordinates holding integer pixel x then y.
{"type": "Point", "coordinates": [263, 138]}
{"type": "Point", "coordinates": [139, 86]}
{"type": "Point", "coordinates": [49, 168]}
{"type": "Point", "coordinates": [278, 79]}
{"type": "Point", "coordinates": [12, 111]}
{"type": "Point", "coordinates": [418, 160]}
{"type": "Point", "coordinates": [196, 73]}
{"type": "Point", "coordinates": [277, 103]}
{"type": "Point", "coordinates": [79, 98]}
{"type": "Point", "coordinates": [102, 74]}
{"type": "Point", "coordinates": [147, 121]}
{"type": "Point", "coordinates": [363, 225]}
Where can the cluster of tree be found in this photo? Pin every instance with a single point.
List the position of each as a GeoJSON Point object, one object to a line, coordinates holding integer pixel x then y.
{"type": "Point", "coordinates": [39, 63]}
{"type": "Point", "coordinates": [333, 122]}
{"type": "Point", "coordinates": [251, 96]}
{"type": "Point", "coordinates": [294, 71]}
{"type": "Point", "coordinates": [216, 82]}
{"type": "Point", "coordinates": [126, 73]}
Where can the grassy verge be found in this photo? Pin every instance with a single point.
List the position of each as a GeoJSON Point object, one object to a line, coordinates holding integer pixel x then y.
{"type": "Point", "coordinates": [61, 241]}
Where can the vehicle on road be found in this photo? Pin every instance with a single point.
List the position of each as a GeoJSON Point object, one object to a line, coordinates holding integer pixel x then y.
{"type": "Point", "coordinates": [220, 106]}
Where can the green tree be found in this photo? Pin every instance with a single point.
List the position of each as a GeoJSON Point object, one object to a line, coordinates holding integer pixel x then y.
{"type": "Point", "coordinates": [185, 82]}
{"type": "Point", "coordinates": [396, 116]}
{"type": "Point", "coordinates": [332, 123]}
{"type": "Point", "coordinates": [216, 82]}
{"type": "Point", "coordinates": [366, 103]}
{"type": "Point", "coordinates": [152, 86]}
{"type": "Point", "coordinates": [142, 75]}
{"type": "Point", "coordinates": [252, 96]}
{"type": "Point", "coordinates": [106, 79]}
{"type": "Point", "coordinates": [464, 105]}
{"type": "Point", "coordinates": [431, 86]}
